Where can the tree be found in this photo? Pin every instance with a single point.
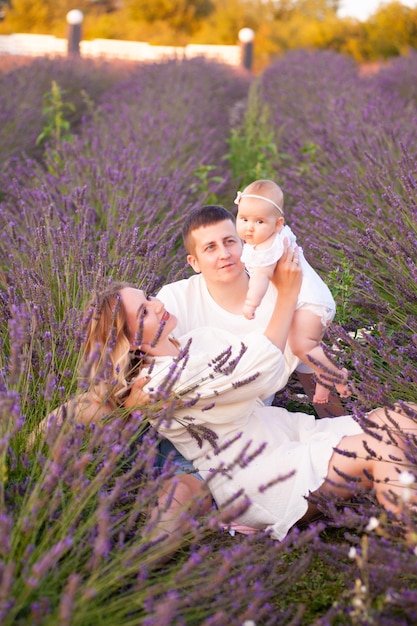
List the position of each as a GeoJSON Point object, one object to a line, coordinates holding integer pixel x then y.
{"type": "Point", "coordinates": [392, 29]}
{"type": "Point", "coordinates": [49, 16]}
{"type": "Point", "coordinates": [181, 15]}
{"type": "Point", "coordinates": [105, 6]}
{"type": "Point", "coordinates": [30, 16]}
{"type": "Point", "coordinates": [315, 9]}
{"type": "Point", "coordinates": [4, 5]}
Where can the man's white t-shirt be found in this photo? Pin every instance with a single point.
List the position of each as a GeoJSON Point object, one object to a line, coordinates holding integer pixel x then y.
{"type": "Point", "coordinates": [190, 301]}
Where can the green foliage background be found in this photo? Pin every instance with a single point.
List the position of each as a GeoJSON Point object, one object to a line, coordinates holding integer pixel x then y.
{"type": "Point", "coordinates": [280, 25]}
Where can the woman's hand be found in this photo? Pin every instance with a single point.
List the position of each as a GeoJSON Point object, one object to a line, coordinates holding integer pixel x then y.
{"type": "Point", "coordinates": [287, 275]}
{"type": "Point", "coordinates": [137, 397]}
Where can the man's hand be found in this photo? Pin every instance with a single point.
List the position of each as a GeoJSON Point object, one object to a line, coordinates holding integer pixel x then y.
{"type": "Point", "coordinates": [287, 275]}
{"type": "Point", "coordinates": [287, 279]}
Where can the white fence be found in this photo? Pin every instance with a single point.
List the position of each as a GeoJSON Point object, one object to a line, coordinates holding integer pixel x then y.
{"type": "Point", "coordinates": [47, 45]}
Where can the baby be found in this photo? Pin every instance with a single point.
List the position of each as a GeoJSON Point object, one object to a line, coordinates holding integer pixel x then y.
{"type": "Point", "coordinates": [260, 223]}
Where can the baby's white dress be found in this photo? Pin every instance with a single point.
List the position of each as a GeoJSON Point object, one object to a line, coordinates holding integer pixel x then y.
{"type": "Point", "coordinates": [314, 290]}
{"type": "Point", "coordinates": [295, 446]}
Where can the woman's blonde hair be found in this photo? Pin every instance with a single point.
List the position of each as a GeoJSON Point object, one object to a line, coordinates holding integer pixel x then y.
{"type": "Point", "coordinates": [108, 363]}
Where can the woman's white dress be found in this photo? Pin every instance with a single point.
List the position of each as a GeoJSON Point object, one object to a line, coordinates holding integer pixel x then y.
{"type": "Point", "coordinates": [295, 448]}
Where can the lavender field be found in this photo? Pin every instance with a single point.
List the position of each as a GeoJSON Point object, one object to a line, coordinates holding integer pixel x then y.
{"type": "Point", "coordinates": [94, 184]}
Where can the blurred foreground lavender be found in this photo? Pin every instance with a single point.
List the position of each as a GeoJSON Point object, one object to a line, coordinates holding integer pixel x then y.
{"type": "Point", "coordinates": [75, 543]}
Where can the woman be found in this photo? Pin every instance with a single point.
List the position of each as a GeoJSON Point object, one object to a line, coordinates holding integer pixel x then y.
{"type": "Point", "coordinates": [262, 457]}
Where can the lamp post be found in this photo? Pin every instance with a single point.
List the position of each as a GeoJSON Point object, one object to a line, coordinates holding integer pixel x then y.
{"type": "Point", "coordinates": [246, 37]}
{"type": "Point", "coordinates": [74, 21]}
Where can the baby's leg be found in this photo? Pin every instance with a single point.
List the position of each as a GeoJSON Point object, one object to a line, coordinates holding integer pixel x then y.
{"type": "Point", "coordinates": [258, 285]}
{"type": "Point", "coordinates": [304, 339]}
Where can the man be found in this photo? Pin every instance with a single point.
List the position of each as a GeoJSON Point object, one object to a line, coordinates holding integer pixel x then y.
{"type": "Point", "coordinates": [215, 295]}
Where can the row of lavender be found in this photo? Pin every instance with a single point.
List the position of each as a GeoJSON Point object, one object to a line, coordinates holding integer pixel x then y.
{"type": "Point", "coordinates": [75, 541]}
{"type": "Point", "coordinates": [347, 162]}
{"type": "Point", "coordinates": [108, 203]}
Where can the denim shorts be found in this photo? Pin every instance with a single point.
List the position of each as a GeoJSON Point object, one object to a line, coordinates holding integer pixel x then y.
{"type": "Point", "coordinates": [183, 466]}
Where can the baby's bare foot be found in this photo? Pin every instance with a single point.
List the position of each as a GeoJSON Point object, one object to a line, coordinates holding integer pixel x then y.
{"type": "Point", "coordinates": [321, 394]}
{"type": "Point", "coordinates": [342, 387]}
{"type": "Point", "coordinates": [328, 382]}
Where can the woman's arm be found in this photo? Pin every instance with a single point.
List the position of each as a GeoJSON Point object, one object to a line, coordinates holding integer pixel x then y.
{"type": "Point", "coordinates": [83, 408]}
{"type": "Point", "coordinates": [287, 280]}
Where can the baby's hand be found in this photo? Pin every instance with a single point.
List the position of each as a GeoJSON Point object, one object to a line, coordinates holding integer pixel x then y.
{"type": "Point", "coordinates": [249, 312]}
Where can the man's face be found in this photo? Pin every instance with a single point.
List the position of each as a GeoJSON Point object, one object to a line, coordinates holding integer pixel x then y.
{"type": "Point", "coordinates": [217, 251]}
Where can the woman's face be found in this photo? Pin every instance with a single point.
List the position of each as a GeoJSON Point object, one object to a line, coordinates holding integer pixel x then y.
{"type": "Point", "coordinates": [149, 314]}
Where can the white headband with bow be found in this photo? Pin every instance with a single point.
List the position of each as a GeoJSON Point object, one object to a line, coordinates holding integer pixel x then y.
{"type": "Point", "coordinates": [240, 195]}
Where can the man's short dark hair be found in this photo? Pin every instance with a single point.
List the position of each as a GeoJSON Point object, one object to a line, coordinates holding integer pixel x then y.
{"type": "Point", "coordinates": [204, 216]}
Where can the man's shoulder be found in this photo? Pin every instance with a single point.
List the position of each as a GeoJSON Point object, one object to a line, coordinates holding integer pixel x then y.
{"type": "Point", "coordinates": [183, 286]}
{"type": "Point", "coordinates": [184, 299]}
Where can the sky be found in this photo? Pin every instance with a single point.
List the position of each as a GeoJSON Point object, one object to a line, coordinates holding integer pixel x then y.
{"type": "Point", "coordinates": [362, 9]}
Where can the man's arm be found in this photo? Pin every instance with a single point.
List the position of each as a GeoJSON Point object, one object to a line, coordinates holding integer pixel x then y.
{"type": "Point", "coordinates": [287, 279]}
